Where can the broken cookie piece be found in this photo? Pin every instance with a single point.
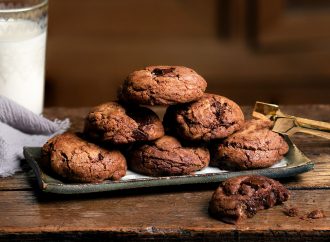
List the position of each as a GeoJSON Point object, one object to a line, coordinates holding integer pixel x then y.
{"type": "Point", "coordinates": [241, 197]}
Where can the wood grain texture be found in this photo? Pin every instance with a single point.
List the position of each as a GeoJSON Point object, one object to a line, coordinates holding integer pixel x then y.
{"type": "Point", "coordinates": [169, 212]}
{"type": "Point", "coordinates": [160, 214]}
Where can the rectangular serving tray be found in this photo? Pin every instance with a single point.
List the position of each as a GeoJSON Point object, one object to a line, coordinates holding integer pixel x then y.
{"type": "Point", "coordinates": [295, 162]}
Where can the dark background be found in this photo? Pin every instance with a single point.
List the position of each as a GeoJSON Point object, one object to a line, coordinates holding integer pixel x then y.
{"type": "Point", "coordinates": [268, 50]}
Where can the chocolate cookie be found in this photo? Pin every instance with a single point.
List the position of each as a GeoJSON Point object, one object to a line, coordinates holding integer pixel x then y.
{"type": "Point", "coordinates": [254, 146]}
{"type": "Point", "coordinates": [166, 157]}
{"type": "Point", "coordinates": [162, 85]}
{"type": "Point", "coordinates": [117, 124]}
{"type": "Point", "coordinates": [241, 197]}
{"type": "Point", "coordinates": [75, 159]}
{"type": "Point", "coordinates": [211, 117]}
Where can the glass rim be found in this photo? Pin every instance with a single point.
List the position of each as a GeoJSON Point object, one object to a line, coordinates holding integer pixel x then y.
{"type": "Point", "coordinates": [25, 9]}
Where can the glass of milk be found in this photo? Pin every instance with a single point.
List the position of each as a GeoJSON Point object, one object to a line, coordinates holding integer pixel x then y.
{"type": "Point", "coordinates": [23, 28]}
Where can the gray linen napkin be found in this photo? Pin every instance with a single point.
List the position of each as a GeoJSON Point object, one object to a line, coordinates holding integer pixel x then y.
{"type": "Point", "coordinates": [20, 127]}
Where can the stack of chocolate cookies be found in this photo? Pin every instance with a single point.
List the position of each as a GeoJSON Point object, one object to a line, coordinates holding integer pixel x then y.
{"type": "Point", "coordinates": [194, 123]}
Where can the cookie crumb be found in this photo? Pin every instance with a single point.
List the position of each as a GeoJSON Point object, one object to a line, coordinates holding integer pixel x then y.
{"type": "Point", "coordinates": [316, 214]}
{"type": "Point", "coordinates": [291, 211]}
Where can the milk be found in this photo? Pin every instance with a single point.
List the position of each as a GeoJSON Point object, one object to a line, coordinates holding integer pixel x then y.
{"type": "Point", "coordinates": [22, 63]}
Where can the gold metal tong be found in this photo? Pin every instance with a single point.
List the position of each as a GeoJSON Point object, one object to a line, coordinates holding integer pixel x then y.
{"type": "Point", "coordinates": [289, 125]}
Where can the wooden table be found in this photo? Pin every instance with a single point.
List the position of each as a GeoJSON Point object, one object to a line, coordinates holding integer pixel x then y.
{"type": "Point", "coordinates": [165, 213]}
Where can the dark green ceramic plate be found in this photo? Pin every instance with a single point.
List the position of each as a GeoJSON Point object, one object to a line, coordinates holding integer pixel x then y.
{"type": "Point", "coordinates": [294, 163]}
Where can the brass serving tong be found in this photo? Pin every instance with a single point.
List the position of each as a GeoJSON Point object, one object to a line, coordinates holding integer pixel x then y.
{"type": "Point", "coordinates": [289, 125]}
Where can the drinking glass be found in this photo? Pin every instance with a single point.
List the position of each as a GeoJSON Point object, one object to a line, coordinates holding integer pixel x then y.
{"type": "Point", "coordinates": [23, 28]}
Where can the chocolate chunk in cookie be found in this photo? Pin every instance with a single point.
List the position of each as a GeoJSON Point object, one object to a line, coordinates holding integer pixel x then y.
{"type": "Point", "coordinates": [75, 159]}
{"type": "Point", "coordinates": [241, 197]}
{"type": "Point", "coordinates": [254, 146]}
{"type": "Point", "coordinates": [162, 85]}
{"type": "Point", "coordinates": [166, 157]}
{"type": "Point", "coordinates": [211, 117]}
{"type": "Point", "coordinates": [118, 124]}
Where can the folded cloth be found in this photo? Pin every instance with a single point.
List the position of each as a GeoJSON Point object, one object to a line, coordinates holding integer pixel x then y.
{"type": "Point", "coordinates": [20, 127]}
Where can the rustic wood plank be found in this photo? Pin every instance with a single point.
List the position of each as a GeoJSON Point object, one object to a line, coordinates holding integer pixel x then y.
{"type": "Point", "coordinates": [24, 180]}
{"type": "Point", "coordinates": [157, 214]}
{"type": "Point", "coordinates": [167, 212]}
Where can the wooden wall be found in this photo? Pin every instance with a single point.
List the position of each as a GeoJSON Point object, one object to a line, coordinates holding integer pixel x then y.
{"type": "Point", "coordinates": [246, 49]}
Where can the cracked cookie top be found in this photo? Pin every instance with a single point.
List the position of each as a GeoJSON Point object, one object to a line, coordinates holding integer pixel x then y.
{"type": "Point", "coordinates": [241, 197]}
{"type": "Point", "coordinates": [211, 117]}
{"type": "Point", "coordinates": [166, 156]}
{"type": "Point", "coordinates": [76, 159]}
{"type": "Point", "coordinates": [162, 85]}
{"type": "Point", "coordinates": [254, 146]}
{"type": "Point", "coordinates": [118, 124]}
